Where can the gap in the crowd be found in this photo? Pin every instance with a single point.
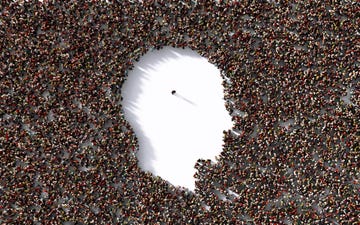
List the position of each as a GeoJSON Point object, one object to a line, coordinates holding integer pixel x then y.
{"type": "Point", "coordinates": [174, 101]}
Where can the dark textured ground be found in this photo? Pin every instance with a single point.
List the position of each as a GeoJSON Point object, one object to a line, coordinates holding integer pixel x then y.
{"type": "Point", "coordinates": [67, 154]}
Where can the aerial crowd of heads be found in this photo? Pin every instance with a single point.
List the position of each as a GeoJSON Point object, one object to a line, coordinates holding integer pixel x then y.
{"type": "Point", "coordinates": [291, 81]}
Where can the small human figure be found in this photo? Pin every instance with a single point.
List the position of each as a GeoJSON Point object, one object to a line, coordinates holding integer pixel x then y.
{"type": "Point", "coordinates": [173, 92]}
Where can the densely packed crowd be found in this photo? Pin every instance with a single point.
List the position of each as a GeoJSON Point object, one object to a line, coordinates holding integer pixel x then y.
{"type": "Point", "coordinates": [68, 155]}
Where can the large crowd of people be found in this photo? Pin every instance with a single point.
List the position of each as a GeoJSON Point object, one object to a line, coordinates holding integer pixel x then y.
{"type": "Point", "coordinates": [68, 156]}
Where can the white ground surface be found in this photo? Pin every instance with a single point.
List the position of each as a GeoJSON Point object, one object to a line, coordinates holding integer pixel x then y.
{"type": "Point", "coordinates": [175, 130]}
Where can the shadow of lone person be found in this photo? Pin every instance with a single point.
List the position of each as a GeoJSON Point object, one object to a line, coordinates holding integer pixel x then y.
{"type": "Point", "coordinates": [173, 92]}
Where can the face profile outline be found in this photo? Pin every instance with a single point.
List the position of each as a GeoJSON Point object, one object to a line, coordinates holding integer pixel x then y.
{"type": "Point", "coordinates": [184, 118]}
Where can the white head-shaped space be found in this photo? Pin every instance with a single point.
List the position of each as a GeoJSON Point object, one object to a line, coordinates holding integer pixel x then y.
{"type": "Point", "coordinates": [175, 129]}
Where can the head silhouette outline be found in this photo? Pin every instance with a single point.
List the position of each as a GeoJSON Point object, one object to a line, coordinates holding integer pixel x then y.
{"type": "Point", "coordinates": [174, 101]}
